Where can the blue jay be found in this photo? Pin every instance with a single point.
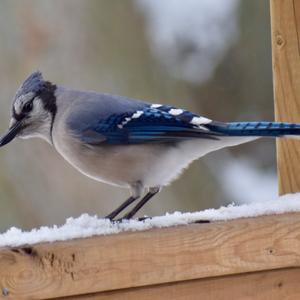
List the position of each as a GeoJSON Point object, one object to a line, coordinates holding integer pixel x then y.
{"type": "Point", "coordinates": [125, 142]}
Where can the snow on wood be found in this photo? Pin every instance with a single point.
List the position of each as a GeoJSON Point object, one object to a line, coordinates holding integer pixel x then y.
{"type": "Point", "coordinates": [87, 226]}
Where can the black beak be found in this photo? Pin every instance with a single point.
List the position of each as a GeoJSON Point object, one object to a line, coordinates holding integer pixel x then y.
{"type": "Point", "coordinates": [11, 133]}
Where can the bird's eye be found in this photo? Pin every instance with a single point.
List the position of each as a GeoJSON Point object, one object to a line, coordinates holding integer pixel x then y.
{"type": "Point", "coordinates": [28, 107]}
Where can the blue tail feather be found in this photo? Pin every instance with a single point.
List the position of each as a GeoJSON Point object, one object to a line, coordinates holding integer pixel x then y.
{"type": "Point", "coordinates": [267, 129]}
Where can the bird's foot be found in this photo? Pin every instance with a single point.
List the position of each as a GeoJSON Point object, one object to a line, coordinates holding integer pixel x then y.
{"type": "Point", "coordinates": [126, 218]}
{"type": "Point", "coordinates": [141, 219]}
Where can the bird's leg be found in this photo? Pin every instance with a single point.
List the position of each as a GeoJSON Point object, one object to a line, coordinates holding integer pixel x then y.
{"type": "Point", "coordinates": [145, 199]}
{"type": "Point", "coordinates": [136, 192]}
{"type": "Point", "coordinates": [115, 212]}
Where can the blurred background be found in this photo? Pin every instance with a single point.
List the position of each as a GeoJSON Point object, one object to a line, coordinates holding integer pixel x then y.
{"type": "Point", "coordinates": [209, 56]}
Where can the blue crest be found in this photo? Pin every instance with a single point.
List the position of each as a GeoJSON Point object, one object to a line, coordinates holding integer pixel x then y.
{"type": "Point", "coordinates": [34, 83]}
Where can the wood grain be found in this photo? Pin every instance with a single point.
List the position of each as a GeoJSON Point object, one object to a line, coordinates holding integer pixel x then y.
{"type": "Point", "coordinates": [285, 19]}
{"type": "Point", "coordinates": [152, 257]}
{"type": "Point", "coordinates": [275, 285]}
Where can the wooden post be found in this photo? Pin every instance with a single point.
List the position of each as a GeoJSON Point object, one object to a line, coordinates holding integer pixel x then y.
{"type": "Point", "coordinates": [285, 21]}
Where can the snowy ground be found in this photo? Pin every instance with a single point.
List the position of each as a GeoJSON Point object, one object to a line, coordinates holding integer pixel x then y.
{"type": "Point", "coordinates": [86, 226]}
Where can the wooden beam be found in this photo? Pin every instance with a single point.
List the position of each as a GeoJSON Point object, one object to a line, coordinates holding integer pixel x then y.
{"type": "Point", "coordinates": [285, 20]}
{"type": "Point", "coordinates": [157, 256]}
{"type": "Point", "coordinates": [275, 285]}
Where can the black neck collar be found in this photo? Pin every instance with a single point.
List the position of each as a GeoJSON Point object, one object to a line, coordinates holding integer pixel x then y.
{"type": "Point", "coordinates": [47, 95]}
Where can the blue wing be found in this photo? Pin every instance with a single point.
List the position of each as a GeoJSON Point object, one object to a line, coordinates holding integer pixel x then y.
{"type": "Point", "coordinates": [148, 123]}
{"type": "Point", "coordinates": [115, 120]}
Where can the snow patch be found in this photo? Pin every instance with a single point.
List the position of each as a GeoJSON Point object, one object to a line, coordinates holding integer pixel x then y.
{"type": "Point", "coordinates": [191, 38]}
{"type": "Point", "coordinates": [87, 226]}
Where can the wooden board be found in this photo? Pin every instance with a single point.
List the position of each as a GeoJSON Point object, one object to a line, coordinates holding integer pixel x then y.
{"type": "Point", "coordinates": [151, 257]}
{"type": "Point", "coordinates": [275, 285]}
{"type": "Point", "coordinates": [285, 17]}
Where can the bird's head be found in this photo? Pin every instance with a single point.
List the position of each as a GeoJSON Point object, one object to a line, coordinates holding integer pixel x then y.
{"type": "Point", "coordinates": [33, 110]}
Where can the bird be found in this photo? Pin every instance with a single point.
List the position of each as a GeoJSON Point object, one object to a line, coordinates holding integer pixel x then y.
{"type": "Point", "coordinates": [125, 142]}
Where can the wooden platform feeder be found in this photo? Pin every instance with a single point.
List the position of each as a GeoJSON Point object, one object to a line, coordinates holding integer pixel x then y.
{"type": "Point", "coordinates": [255, 258]}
